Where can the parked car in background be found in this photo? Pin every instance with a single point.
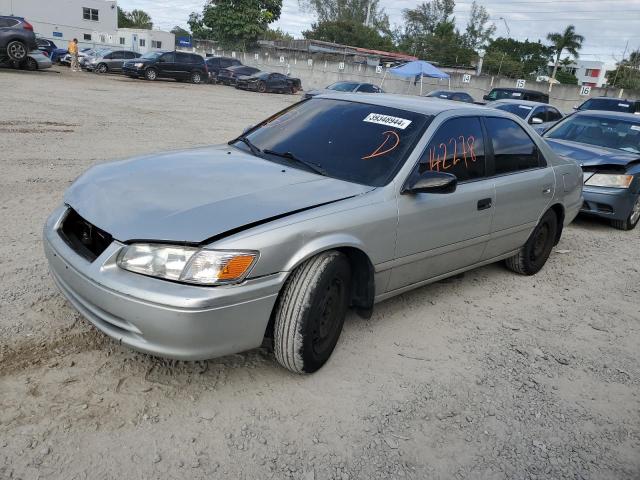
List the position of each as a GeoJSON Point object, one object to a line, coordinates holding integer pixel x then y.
{"type": "Point", "coordinates": [109, 61]}
{"type": "Point", "coordinates": [82, 54]}
{"type": "Point", "coordinates": [214, 64]}
{"type": "Point", "coordinates": [451, 95]}
{"type": "Point", "coordinates": [335, 203]}
{"type": "Point", "coordinates": [269, 82]}
{"type": "Point", "coordinates": [607, 147]}
{"type": "Point", "coordinates": [516, 94]}
{"type": "Point", "coordinates": [36, 60]}
{"type": "Point", "coordinates": [16, 38]}
{"type": "Point", "coordinates": [540, 116]}
{"type": "Point", "coordinates": [229, 75]}
{"type": "Point", "coordinates": [46, 45]}
{"type": "Point", "coordinates": [610, 104]}
{"type": "Point", "coordinates": [180, 66]}
{"type": "Point", "coordinates": [346, 87]}
{"type": "Point", "coordinates": [58, 54]}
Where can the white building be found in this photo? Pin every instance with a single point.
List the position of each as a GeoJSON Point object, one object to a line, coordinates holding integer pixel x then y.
{"type": "Point", "coordinates": [590, 73]}
{"type": "Point", "coordinates": [92, 22]}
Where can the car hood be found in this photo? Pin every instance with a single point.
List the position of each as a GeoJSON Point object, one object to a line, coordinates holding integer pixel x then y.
{"type": "Point", "coordinates": [191, 196]}
{"type": "Point", "coordinates": [591, 155]}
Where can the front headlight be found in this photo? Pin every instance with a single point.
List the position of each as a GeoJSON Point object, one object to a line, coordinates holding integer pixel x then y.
{"type": "Point", "coordinates": [187, 264]}
{"type": "Point", "coordinates": [138, 65]}
{"type": "Point", "coordinates": [609, 180]}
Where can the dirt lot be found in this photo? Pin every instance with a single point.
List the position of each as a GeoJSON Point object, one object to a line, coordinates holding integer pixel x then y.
{"type": "Point", "coordinates": [491, 375]}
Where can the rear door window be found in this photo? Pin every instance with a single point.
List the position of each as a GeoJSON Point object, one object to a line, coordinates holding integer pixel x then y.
{"type": "Point", "coordinates": [553, 114]}
{"type": "Point", "coordinates": [458, 148]}
{"type": "Point", "coordinates": [513, 149]}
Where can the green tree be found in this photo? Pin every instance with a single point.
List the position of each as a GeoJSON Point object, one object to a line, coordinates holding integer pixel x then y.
{"type": "Point", "coordinates": [567, 78]}
{"type": "Point", "coordinates": [235, 23]}
{"type": "Point", "coordinates": [276, 35]}
{"type": "Point", "coordinates": [350, 11]}
{"type": "Point", "coordinates": [532, 56]}
{"type": "Point", "coordinates": [568, 40]}
{"type": "Point", "coordinates": [140, 19]}
{"type": "Point", "coordinates": [123, 19]}
{"type": "Point", "coordinates": [178, 31]}
{"type": "Point", "coordinates": [478, 32]}
{"type": "Point", "coordinates": [627, 73]}
{"type": "Point", "coordinates": [349, 33]}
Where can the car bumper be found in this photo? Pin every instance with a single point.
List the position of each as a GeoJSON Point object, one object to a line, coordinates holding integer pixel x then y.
{"type": "Point", "coordinates": [612, 203]}
{"type": "Point", "coordinates": [132, 71]}
{"type": "Point", "coordinates": [158, 317]}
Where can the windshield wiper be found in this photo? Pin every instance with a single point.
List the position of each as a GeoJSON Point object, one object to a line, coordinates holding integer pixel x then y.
{"type": "Point", "coordinates": [254, 150]}
{"type": "Point", "coordinates": [290, 156]}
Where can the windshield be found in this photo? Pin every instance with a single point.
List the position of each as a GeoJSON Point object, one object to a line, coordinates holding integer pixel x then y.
{"type": "Point", "coordinates": [498, 94]}
{"type": "Point", "coordinates": [603, 132]}
{"type": "Point", "coordinates": [151, 55]}
{"type": "Point", "coordinates": [520, 110]}
{"type": "Point", "coordinates": [351, 141]}
{"type": "Point", "coordinates": [343, 87]}
{"type": "Point", "coordinates": [614, 105]}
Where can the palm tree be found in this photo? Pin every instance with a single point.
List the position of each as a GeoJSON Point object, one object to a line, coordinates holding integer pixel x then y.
{"type": "Point", "coordinates": [568, 40]}
{"type": "Point", "coordinates": [140, 19]}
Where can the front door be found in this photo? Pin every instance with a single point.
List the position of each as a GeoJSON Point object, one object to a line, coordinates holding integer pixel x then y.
{"type": "Point", "coordinates": [441, 233]}
{"type": "Point", "coordinates": [167, 65]}
{"type": "Point", "coordinates": [524, 185]}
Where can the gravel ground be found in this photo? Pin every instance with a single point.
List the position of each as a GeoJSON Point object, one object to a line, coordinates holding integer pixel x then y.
{"type": "Point", "coordinates": [491, 375]}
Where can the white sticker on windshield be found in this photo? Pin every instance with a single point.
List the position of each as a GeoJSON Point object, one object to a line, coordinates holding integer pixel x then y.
{"type": "Point", "coordinates": [525, 107]}
{"type": "Point", "coordinates": [623, 105]}
{"type": "Point", "coordinates": [635, 127]}
{"type": "Point", "coordinates": [388, 120]}
{"type": "Point", "coordinates": [516, 94]}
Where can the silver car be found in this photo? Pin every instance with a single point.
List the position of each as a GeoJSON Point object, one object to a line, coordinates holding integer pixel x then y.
{"type": "Point", "coordinates": [335, 203]}
{"type": "Point", "coordinates": [540, 116]}
{"type": "Point", "coordinates": [109, 61]}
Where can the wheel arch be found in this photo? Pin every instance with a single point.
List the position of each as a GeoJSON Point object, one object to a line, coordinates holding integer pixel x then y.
{"type": "Point", "coordinates": [559, 211]}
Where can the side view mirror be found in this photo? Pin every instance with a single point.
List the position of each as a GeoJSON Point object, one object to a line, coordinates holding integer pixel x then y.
{"type": "Point", "coordinates": [247, 128]}
{"type": "Point", "coordinates": [575, 107]}
{"type": "Point", "coordinates": [485, 97]}
{"type": "Point", "coordinates": [431, 182]}
{"type": "Point", "coordinates": [536, 121]}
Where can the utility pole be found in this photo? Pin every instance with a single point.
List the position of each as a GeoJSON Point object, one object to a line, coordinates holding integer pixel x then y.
{"type": "Point", "coordinates": [368, 20]}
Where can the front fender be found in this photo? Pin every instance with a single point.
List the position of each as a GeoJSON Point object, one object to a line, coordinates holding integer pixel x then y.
{"type": "Point", "coordinates": [321, 244]}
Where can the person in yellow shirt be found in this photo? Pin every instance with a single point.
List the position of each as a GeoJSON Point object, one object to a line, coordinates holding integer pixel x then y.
{"type": "Point", "coordinates": [73, 51]}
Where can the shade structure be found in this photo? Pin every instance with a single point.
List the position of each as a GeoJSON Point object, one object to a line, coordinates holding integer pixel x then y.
{"type": "Point", "coordinates": [418, 69]}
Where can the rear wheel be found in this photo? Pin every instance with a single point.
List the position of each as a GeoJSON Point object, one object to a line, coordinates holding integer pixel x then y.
{"type": "Point", "coordinates": [534, 254]}
{"type": "Point", "coordinates": [16, 51]}
{"type": "Point", "coordinates": [150, 74]}
{"type": "Point", "coordinates": [196, 77]}
{"type": "Point", "coordinates": [632, 220]}
{"type": "Point", "coordinates": [311, 311]}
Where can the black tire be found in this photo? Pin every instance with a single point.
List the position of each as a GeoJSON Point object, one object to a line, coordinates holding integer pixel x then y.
{"type": "Point", "coordinates": [101, 68]}
{"type": "Point", "coordinates": [262, 87]}
{"type": "Point", "coordinates": [632, 220]}
{"type": "Point", "coordinates": [534, 254]}
{"type": "Point", "coordinates": [151, 74]}
{"type": "Point", "coordinates": [17, 51]}
{"type": "Point", "coordinates": [196, 78]}
{"type": "Point", "coordinates": [30, 64]}
{"type": "Point", "coordinates": [311, 311]}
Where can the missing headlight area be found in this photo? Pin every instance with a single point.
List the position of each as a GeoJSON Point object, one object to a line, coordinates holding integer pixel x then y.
{"type": "Point", "coordinates": [84, 238]}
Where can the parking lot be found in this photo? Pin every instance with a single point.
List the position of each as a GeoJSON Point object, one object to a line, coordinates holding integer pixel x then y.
{"type": "Point", "coordinates": [490, 375]}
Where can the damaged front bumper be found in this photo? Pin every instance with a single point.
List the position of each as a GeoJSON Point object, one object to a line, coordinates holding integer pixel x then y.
{"type": "Point", "coordinates": [611, 203]}
{"type": "Point", "coordinates": [155, 316]}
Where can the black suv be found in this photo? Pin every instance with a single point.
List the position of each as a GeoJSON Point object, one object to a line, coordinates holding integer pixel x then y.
{"type": "Point", "coordinates": [214, 64]}
{"type": "Point", "coordinates": [516, 94]}
{"type": "Point", "coordinates": [610, 104]}
{"type": "Point", "coordinates": [16, 38]}
{"type": "Point", "coordinates": [180, 66]}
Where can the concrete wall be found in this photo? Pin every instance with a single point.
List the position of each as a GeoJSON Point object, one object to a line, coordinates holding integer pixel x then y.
{"type": "Point", "coordinates": [320, 73]}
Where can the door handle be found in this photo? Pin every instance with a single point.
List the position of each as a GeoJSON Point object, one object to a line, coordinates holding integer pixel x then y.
{"type": "Point", "coordinates": [546, 190]}
{"type": "Point", "coordinates": [484, 204]}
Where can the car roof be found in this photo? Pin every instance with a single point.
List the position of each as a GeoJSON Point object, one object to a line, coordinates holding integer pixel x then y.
{"type": "Point", "coordinates": [514, 89]}
{"type": "Point", "coordinates": [612, 99]}
{"type": "Point", "coordinates": [513, 101]}
{"type": "Point", "coordinates": [608, 114]}
{"type": "Point", "coordinates": [422, 105]}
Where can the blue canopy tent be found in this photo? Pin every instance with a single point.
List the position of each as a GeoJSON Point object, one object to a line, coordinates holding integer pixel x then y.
{"type": "Point", "coordinates": [418, 68]}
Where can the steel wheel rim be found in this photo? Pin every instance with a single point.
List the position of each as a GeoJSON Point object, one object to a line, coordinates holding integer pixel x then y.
{"type": "Point", "coordinates": [540, 242]}
{"type": "Point", "coordinates": [635, 212]}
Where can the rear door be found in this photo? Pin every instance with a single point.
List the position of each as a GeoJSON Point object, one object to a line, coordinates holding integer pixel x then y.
{"type": "Point", "coordinates": [440, 233]}
{"type": "Point", "coordinates": [524, 184]}
{"type": "Point", "coordinates": [116, 60]}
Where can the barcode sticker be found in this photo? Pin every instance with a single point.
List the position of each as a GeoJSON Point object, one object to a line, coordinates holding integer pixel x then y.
{"type": "Point", "coordinates": [388, 120]}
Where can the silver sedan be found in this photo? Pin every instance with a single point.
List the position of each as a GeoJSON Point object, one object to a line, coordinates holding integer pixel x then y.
{"type": "Point", "coordinates": [335, 203]}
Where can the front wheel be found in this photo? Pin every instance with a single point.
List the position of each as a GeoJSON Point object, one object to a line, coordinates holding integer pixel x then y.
{"type": "Point", "coordinates": [16, 51]}
{"type": "Point", "coordinates": [31, 64]}
{"type": "Point", "coordinates": [311, 311]}
{"type": "Point", "coordinates": [102, 68]}
{"type": "Point", "coordinates": [262, 87]}
{"type": "Point", "coordinates": [631, 221]}
{"type": "Point", "coordinates": [150, 74]}
{"type": "Point", "coordinates": [534, 254]}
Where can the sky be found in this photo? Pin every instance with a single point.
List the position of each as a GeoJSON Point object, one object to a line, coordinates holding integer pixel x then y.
{"type": "Point", "coordinates": [606, 24]}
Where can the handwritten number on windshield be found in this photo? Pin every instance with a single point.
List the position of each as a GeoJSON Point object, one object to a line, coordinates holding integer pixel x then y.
{"type": "Point", "coordinates": [391, 141]}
